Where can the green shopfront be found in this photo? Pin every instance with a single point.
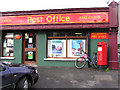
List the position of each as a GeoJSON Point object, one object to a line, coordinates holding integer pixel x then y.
{"type": "Point", "coordinates": [52, 37]}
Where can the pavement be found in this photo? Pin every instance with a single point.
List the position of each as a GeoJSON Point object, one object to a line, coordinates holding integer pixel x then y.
{"type": "Point", "coordinates": [71, 77]}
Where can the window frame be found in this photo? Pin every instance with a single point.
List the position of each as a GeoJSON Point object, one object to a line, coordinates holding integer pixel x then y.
{"type": "Point", "coordinates": [66, 37]}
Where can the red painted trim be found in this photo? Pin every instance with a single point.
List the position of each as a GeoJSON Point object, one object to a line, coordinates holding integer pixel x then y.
{"type": "Point", "coordinates": [60, 26]}
{"type": "Point", "coordinates": [113, 51]}
{"type": "Point", "coordinates": [113, 65]}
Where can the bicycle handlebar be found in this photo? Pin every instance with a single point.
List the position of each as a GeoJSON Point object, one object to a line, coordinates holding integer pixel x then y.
{"type": "Point", "coordinates": [95, 53]}
{"type": "Point", "coordinates": [83, 51]}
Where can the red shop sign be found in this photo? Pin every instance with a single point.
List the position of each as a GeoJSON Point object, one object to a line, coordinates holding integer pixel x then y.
{"type": "Point", "coordinates": [98, 35]}
{"type": "Point", "coordinates": [98, 17]}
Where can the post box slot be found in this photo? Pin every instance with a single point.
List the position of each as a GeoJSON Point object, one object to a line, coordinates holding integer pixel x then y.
{"type": "Point", "coordinates": [99, 45]}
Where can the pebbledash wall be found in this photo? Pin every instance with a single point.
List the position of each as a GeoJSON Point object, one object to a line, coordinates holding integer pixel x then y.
{"type": "Point", "coordinates": [109, 27]}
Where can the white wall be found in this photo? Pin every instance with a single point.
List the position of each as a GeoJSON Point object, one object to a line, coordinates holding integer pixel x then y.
{"type": "Point", "coordinates": [26, 5]}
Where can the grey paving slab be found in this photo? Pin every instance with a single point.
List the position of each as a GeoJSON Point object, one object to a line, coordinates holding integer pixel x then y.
{"type": "Point", "coordinates": [70, 77]}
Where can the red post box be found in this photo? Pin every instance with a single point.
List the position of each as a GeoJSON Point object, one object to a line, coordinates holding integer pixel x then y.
{"type": "Point", "coordinates": [101, 53]}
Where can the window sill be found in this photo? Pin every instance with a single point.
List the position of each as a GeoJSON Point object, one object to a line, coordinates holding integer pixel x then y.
{"type": "Point", "coordinates": [8, 58]}
{"type": "Point", "coordinates": [59, 59]}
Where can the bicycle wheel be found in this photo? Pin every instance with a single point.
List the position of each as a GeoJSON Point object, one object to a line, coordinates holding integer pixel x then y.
{"type": "Point", "coordinates": [80, 63]}
{"type": "Point", "coordinates": [91, 64]}
{"type": "Point", "coordinates": [95, 62]}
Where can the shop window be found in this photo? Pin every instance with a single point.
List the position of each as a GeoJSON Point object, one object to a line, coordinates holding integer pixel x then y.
{"type": "Point", "coordinates": [8, 43]}
{"type": "Point", "coordinates": [30, 40]}
{"type": "Point", "coordinates": [66, 44]}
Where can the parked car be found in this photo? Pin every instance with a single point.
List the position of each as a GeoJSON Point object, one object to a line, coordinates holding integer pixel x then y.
{"type": "Point", "coordinates": [17, 75]}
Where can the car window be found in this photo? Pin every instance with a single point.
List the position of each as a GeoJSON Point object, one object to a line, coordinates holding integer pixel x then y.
{"type": "Point", "coordinates": [1, 68]}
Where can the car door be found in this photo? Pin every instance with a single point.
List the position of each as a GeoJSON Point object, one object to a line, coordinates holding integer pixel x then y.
{"type": "Point", "coordinates": [0, 77]}
{"type": "Point", "coordinates": [5, 76]}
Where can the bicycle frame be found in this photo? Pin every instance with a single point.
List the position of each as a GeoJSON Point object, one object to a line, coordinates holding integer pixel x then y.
{"type": "Point", "coordinates": [91, 59]}
{"type": "Point", "coordinates": [85, 56]}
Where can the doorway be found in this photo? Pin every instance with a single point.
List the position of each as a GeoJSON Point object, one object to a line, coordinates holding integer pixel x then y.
{"type": "Point", "coordinates": [29, 48]}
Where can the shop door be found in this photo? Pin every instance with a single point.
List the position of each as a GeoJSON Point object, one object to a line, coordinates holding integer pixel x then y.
{"type": "Point", "coordinates": [29, 48]}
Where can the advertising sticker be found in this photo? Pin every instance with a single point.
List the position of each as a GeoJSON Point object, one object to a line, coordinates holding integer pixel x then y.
{"type": "Point", "coordinates": [30, 55]}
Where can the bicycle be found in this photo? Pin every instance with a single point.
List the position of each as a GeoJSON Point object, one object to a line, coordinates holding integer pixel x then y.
{"type": "Point", "coordinates": [81, 61]}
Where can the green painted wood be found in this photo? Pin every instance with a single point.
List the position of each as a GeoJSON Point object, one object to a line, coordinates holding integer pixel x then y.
{"type": "Point", "coordinates": [18, 49]}
{"type": "Point", "coordinates": [41, 47]}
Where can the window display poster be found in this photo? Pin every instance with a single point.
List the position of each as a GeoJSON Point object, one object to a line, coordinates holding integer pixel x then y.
{"type": "Point", "coordinates": [4, 44]}
{"type": "Point", "coordinates": [30, 45]}
{"type": "Point", "coordinates": [30, 40]}
{"type": "Point", "coordinates": [11, 54]}
{"type": "Point", "coordinates": [7, 49]}
{"type": "Point", "coordinates": [30, 55]}
{"type": "Point", "coordinates": [9, 35]}
{"type": "Point", "coordinates": [5, 53]}
{"type": "Point", "coordinates": [9, 42]}
{"type": "Point", "coordinates": [76, 47]}
{"type": "Point", "coordinates": [26, 36]}
{"type": "Point", "coordinates": [57, 46]}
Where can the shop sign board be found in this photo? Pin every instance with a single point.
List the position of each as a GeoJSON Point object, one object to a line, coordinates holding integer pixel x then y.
{"type": "Point", "coordinates": [96, 17]}
{"type": "Point", "coordinates": [98, 35]}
